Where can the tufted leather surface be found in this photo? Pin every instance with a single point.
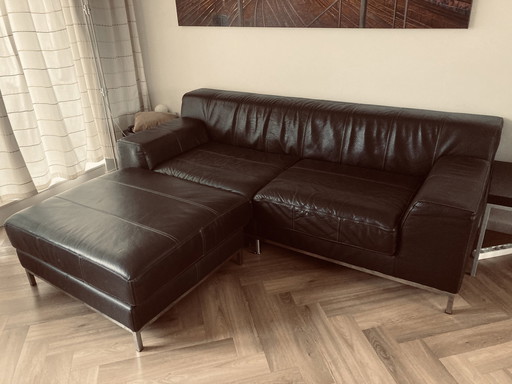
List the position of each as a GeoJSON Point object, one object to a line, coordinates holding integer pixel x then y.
{"type": "Point", "coordinates": [399, 140]}
{"type": "Point", "coordinates": [354, 206]}
{"type": "Point", "coordinates": [129, 233]}
{"type": "Point", "coordinates": [235, 169]}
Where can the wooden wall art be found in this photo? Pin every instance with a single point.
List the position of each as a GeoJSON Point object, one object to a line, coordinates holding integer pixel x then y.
{"type": "Point", "coordinates": [325, 13]}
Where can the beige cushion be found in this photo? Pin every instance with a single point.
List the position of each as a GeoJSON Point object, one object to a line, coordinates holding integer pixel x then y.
{"type": "Point", "coordinates": [147, 120]}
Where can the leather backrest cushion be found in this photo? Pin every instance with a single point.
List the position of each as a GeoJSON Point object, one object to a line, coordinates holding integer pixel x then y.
{"type": "Point", "coordinates": [258, 123]}
{"type": "Point", "coordinates": [393, 139]}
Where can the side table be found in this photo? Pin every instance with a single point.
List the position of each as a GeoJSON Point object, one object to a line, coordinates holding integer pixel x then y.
{"type": "Point", "coordinates": [500, 197]}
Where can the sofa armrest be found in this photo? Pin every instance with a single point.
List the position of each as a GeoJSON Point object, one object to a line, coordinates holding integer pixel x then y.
{"type": "Point", "coordinates": [456, 183]}
{"type": "Point", "coordinates": [151, 147]}
{"type": "Point", "coordinates": [439, 229]}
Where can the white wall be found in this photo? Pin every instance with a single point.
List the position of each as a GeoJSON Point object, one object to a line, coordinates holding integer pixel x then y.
{"type": "Point", "coordinates": [467, 70]}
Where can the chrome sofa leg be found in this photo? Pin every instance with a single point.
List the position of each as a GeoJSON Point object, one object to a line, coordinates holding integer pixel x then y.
{"type": "Point", "coordinates": [449, 304]}
{"type": "Point", "coordinates": [257, 247]}
{"type": "Point", "coordinates": [137, 338]}
{"type": "Point", "coordinates": [31, 278]}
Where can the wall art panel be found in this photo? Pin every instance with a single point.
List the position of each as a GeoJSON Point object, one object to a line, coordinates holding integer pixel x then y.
{"type": "Point", "coordinates": [325, 13]}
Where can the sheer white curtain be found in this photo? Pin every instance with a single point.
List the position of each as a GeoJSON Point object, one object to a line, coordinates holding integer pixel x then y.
{"type": "Point", "coordinates": [52, 116]}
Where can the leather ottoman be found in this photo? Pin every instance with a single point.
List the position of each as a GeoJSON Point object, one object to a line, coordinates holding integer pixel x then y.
{"type": "Point", "coordinates": [130, 243]}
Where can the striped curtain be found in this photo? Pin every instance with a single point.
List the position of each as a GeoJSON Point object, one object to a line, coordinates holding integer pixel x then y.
{"type": "Point", "coordinates": [60, 109]}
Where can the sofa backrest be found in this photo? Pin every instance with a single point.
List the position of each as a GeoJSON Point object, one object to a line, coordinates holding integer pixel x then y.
{"type": "Point", "coordinates": [393, 139]}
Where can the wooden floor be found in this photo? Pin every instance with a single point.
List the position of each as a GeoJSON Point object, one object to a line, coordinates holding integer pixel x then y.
{"type": "Point", "coordinates": [279, 318]}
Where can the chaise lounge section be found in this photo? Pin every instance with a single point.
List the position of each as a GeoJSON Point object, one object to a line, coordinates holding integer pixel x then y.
{"type": "Point", "coordinates": [131, 243]}
{"type": "Point", "coordinates": [394, 192]}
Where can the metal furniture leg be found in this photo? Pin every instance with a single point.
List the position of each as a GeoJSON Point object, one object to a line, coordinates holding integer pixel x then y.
{"type": "Point", "coordinates": [257, 247]}
{"type": "Point", "coordinates": [137, 338]}
{"type": "Point", "coordinates": [449, 304]}
{"type": "Point", "coordinates": [483, 227]}
{"type": "Point", "coordinates": [31, 278]}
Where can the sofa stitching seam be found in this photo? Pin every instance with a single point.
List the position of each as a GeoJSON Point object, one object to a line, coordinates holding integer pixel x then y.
{"type": "Point", "coordinates": [348, 176]}
{"type": "Point", "coordinates": [308, 124]}
{"type": "Point", "coordinates": [239, 158]}
{"type": "Point", "coordinates": [344, 135]}
{"type": "Point", "coordinates": [437, 142]}
{"type": "Point", "coordinates": [199, 205]}
{"type": "Point", "coordinates": [169, 236]}
{"type": "Point", "coordinates": [388, 139]}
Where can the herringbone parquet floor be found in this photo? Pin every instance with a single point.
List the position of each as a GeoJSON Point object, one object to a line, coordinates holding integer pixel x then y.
{"type": "Point", "coordinates": [279, 318]}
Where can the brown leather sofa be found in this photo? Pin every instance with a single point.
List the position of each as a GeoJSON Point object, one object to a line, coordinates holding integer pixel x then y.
{"type": "Point", "coordinates": [392, 191]}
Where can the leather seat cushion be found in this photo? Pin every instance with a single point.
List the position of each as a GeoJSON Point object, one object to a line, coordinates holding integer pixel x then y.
{"type": "Point", "coordinates": [129, 232]}
{"type": "Point", "coordinates": [231, 168]}
{"type": "Point", "coordinates": [349, 205]}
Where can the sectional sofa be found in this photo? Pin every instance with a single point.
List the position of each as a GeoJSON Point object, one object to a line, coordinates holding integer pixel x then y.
{"type": "Point", "coordinates": [391, 191]}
